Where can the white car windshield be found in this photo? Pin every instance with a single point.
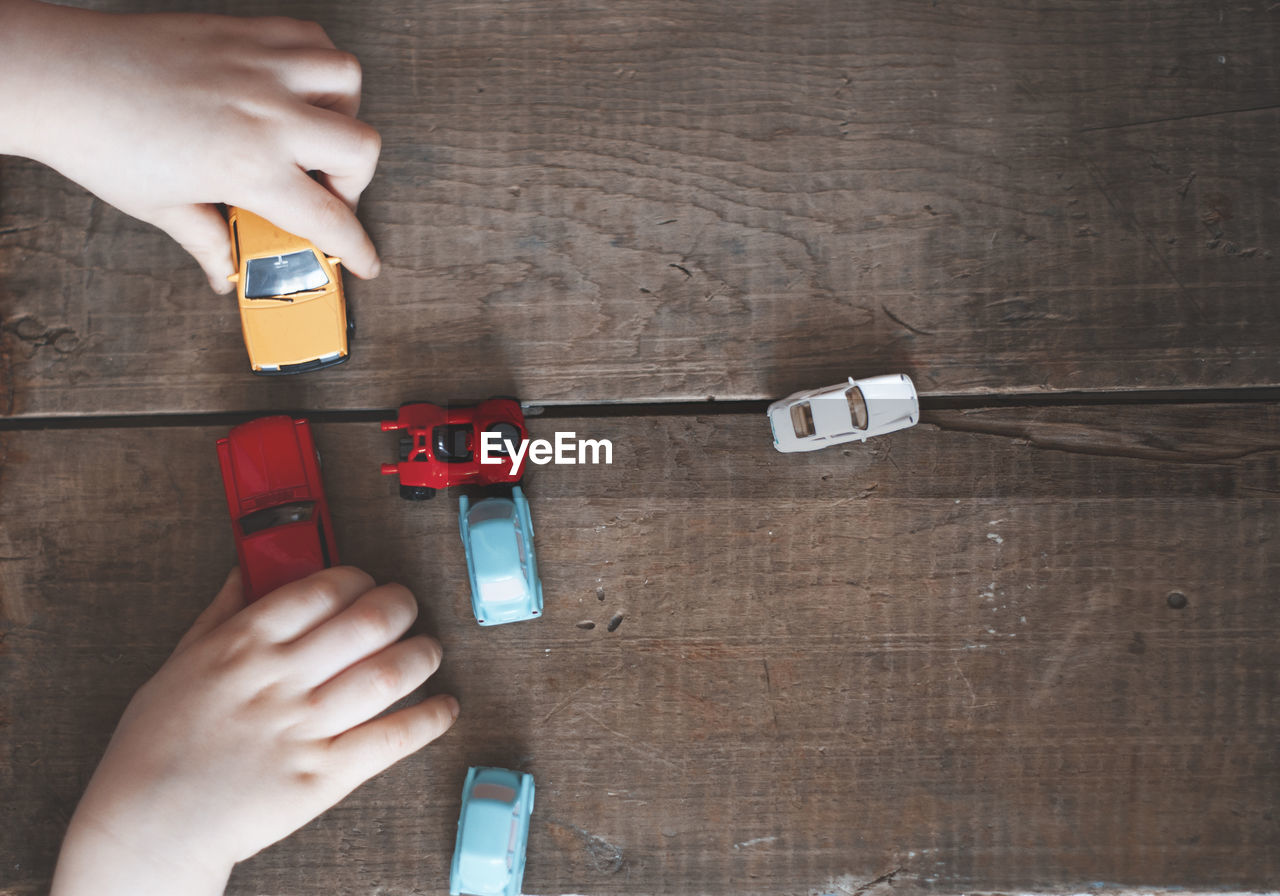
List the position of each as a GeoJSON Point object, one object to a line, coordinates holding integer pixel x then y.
{"type": "Point", "coordinates": [283, 275]}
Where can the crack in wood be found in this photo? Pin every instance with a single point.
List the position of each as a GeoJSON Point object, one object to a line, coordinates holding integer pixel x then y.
{"type": "Point", "coordinates": [902, 323]}
{"type": "Point", "coordinates": [1168, 119]}
{"type": "Point", "coordinates": [862, 889]}
{"type": "Point", "coordinates": [882, 879]}
{"type": "Point", "coordinates": [1076, 439]}
{"type": "Point", "coordinates": [606, 857]}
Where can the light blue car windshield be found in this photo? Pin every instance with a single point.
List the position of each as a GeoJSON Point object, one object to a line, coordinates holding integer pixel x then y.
{"type": "Point", "coordinates": [284, 275]}
{"type": "Point", "coordinates": [491, 510]}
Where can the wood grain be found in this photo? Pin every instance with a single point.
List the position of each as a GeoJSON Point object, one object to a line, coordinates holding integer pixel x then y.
{"type": "Point", "coordinates": [946, 661]}
{"type": "Point", "coordinates": [661, 199]}
{"type": "Point", "coordinates": [1014, 648]}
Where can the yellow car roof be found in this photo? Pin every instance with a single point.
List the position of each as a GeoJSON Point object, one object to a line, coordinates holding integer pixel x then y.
{"type": "Point", "coordinates": [299, 328]}
{"type": "Point", "coordinates": [259, 237]}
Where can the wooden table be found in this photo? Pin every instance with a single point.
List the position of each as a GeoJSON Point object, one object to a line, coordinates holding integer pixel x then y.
{"type": "Point", "coordinates": [1029, 644]}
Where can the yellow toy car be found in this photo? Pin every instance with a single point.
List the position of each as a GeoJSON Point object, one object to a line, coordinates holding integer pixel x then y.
{"type": "Point", "coordinates": [292, 310]}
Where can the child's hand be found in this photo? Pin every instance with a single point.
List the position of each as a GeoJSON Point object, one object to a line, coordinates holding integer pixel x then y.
{"type": "Point", "coordinates": [261, 720]}
{"type": "Point", "coordinates": [165, 115]}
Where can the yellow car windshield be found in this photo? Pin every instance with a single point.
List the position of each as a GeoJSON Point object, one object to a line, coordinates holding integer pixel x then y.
{"type": "Point", "coordinates": [283, 275]}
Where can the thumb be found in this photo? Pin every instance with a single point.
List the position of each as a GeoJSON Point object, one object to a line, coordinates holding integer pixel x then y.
{"type": "Point", "coordinates": [202, 231]}
{"type": "Point", "coordinates": [229, 601]}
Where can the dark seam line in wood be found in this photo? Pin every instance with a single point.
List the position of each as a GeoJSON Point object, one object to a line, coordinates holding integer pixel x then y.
{"type": "Point", "coordinates": [1246, 395]}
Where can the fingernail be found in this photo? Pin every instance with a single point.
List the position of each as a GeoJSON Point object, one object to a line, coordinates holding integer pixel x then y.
{"type": "Point", "coordinates": [454, 708]}
{"type": "Point", "coordinates": [376, 269]}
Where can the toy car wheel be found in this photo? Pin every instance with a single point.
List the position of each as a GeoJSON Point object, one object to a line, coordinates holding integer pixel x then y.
{"type": "Point", "coordinates": [406, 445]}
{"type": "Point", "coordinates": [416, 492]}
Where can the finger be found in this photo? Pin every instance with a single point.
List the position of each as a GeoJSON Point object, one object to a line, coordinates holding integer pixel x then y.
{"type": "Point", "coordinates": [307, 209]}
{"type": "Point", "coordinates": [375, 620]}
{"type": "Point", "coordinates": [326, 78]}
{"type": "Point", "coordinates": [202, 231]}
{"type": "Point", "coordinates": [228, 601]}
{"type": "Point", "coordinates": [341, 148]}
{"type": "Point", "coordinates": [375, 746]}
{"type": "Point", "coordinates": [289, 613]}
{"type": "Point", "coordinates": [369, 687]}
{"type": "Point", "coordinates": [283, 33]}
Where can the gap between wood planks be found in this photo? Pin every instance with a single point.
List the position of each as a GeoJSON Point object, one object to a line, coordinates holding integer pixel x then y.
{"type": "Point", "coordinates": [1129, 398]}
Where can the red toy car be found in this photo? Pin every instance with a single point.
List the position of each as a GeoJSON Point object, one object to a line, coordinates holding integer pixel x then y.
{"type": "Point", "coordinates": [271, 471]}
{"type": "Point", "coordinates": [442, 446]}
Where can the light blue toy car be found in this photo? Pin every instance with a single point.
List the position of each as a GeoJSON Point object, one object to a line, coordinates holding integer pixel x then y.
{"type": "Point", "coordinates": [497, 534]}
{"type": "Point", "coordinates": [493, 833]}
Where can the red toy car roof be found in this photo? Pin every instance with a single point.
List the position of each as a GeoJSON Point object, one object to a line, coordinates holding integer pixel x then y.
{"type": "Point", "coordinates": [281, 555]}
{"type": "Point", "coordinates": [279, 514]}
{"type": "Point", "coordinates": [267, 464]}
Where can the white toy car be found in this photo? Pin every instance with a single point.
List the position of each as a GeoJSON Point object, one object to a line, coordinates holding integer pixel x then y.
{"type": "Point", "coordinates": [846, 412]}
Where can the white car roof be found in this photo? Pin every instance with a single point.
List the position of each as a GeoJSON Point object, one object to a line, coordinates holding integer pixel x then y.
{"type": "Point", "coordinates": [891, 404]}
